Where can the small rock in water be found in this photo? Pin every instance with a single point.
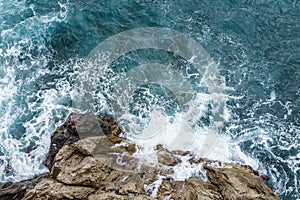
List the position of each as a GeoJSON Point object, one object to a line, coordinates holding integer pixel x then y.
{"type": "Point", "coordinates": [8, 168]}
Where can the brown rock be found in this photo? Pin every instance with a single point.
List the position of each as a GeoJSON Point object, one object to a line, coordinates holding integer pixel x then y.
{"type": "Point", "coordinates": [50, 189]}
{"type": "Point", "coordinates": [66, 134]}
{"type": "Point", "coordinates": [131, 148]}
{"type": "Point", "coordinates": [239, 183]}
{"type": "Point", "coordinates": [167, 159]}
{"type": "Point", "coordinates": [82, 163]}
{"type": "Point", "coordinates": [111, 196]}
{"type": "Point", "coordinates": [87, 125]}
{"type": "Point", "coordinates": [160, 147]}
{"type": "Point", "coordinates": [16, 191]}
{"type": "Point", "coordinates": [90, 166]}
{"type": "Point", "coordinates": [192, 188]}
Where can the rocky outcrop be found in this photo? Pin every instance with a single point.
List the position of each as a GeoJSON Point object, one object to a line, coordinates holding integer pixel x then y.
{"type": "Point", "coordinates": [16, 191]}
{"type": "Point", "coordinates": [91, 165]}
{"type": "Point", "coordinates": [103, 167]}
{"type": "Point", "coordinates": [68, 132]}
{"type": "Point", "coordinates": [239, 183]}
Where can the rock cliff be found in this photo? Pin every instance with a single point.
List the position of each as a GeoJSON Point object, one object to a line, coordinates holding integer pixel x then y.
{"type": "Point", "coordinates": [96, 168]}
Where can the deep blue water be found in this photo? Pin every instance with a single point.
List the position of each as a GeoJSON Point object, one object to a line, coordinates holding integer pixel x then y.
{"type": "Point", "coordinates": [256, 45]}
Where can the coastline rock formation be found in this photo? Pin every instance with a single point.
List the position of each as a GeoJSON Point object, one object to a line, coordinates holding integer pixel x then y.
{"type": "Point", "coordinates": [103, 167]}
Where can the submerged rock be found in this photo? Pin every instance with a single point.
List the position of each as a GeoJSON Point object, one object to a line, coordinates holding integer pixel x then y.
{"type": "Point", "coordinates": [103, 166]}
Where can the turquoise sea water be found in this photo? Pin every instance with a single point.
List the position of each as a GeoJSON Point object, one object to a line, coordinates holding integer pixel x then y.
{"type": "Point", "coordinates": [256, 46]}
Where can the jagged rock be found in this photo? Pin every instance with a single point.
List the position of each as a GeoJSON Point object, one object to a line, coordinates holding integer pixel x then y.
{"type": "Point", "coordinates": [239, 183]}
{"type": "Point", "coordinates": [16, 191]}
{"type": "Point", "coordinates": [85, 163]}
{"type": "Point", "coordinates": [192, 188]}
{"type": "Point", "coordinates": [66, 134]}
{"type": "Point", "coordinates": [92, 163]}
{"type": "Point", "coordinates": [87, 125]}
{"type": "Point", "coordinates": [111, 196]}
{"type": "Point", "coordinates": [168, 159]}
{"type": "Point", "coordinates": [50, 189]}
{"type": "Point", "coordinates": [90, 166]}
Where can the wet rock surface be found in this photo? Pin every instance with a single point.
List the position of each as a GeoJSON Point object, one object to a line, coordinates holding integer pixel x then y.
{"type": "Point", "coordinates": [102, 166]}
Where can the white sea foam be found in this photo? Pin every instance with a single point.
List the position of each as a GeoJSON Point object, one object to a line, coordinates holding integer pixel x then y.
{"type": "Point", "coordinates": [161, 128]}
{"type": "Point", "coordinates": [266, 135]}
{"type": "Point", "coordinates": [42, 110]}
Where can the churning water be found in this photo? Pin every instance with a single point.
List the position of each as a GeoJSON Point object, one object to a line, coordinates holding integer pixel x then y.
{"type": "Point", "coordinates": [255, 46]}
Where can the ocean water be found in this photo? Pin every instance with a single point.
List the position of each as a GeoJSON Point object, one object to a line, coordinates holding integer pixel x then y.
{"type": "Point", "coordinates": [255, 46]}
